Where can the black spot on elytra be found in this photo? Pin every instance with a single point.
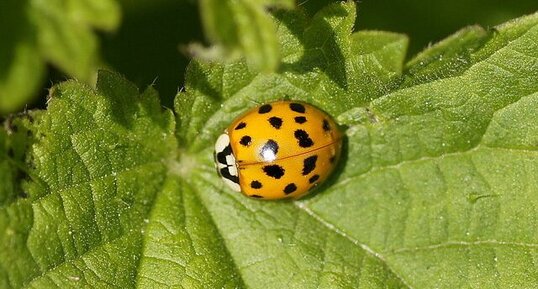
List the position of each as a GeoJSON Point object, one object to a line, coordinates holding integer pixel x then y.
{"type": "Point", "coordinates": [221, 156]}
{"type": "Point", "coordinates": [265, 108]}
{"type": "Point", "coordinates": [246, 140]}
{"type": "Point", "coordinates": [256, 196]}
{"type": "Point", "coordinates": [309, 164]}
{"type": "Point", "coordinates": [332, 159]}
{"type": "Point", "coordinates": [276, 122]}
{"type": "Point", "coordinates": [225, 173]}
{"type": "Point", "coordinates": [290, 188]}
{"type": "Point", "coordinates": [313, 179]}
{"type": "Point", "coordinates": [255, 185]}
{"type": "Point", "coordinates": [326, 125]}
{"type": "Point", "coordinates": [269, 145]}
{"type": "Point", "coordinates": [304, 139]}
{"type": "Point", "coordinates": [274, 171]}
{"type": "Point", "coordinates": [241, 125]}
{"type": "Point", "coordinates": [300, 119]}
{"type": "Point", "coordinates": [297, 107]}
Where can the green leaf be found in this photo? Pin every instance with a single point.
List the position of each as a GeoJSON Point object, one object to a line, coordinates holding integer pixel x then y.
{"type": "Point", "coordinates": [448, 57]}
{"type": "Point", "coordinates": [102, 210]}
{"type": "Point", "coordinates": [437, 187]}
{"type": "Point", "coordinates": [97, 177]}
{"type": "Point", "coordinates": [38, 32]}
{"type": "Point", "coordinates": [242, 27]}
{"type": "Point", "coordinates": [183, 248]}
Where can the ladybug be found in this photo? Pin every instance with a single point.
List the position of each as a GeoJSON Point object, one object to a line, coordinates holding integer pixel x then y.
{"type": "Point", "coordinates": [278, 150]}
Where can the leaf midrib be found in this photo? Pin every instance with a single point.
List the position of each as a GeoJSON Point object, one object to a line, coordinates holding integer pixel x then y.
{"type": "Point", "coordinates": [333, 228]}
{"type": "Point", "coordinates": [330, 227]}
{"type": "Point", "coordinates": [454, 243]}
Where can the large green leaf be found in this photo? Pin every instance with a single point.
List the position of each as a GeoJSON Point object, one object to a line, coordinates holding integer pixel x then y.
{"type": "Point", "coordinates": [437, 187]}
{"type": "Point", "coordinates": [426, 190]}
{"type": "Point", "coordinates": [36, 32]}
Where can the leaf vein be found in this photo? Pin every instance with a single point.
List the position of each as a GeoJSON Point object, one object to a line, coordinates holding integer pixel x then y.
{"type": "Point", "coordinates": [364, 247]}
{"type": "Point", "coordinates": [533, 246]}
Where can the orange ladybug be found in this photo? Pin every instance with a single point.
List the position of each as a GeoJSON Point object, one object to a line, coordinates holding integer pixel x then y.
{"type": "Point", "coordinates": [278, 150]}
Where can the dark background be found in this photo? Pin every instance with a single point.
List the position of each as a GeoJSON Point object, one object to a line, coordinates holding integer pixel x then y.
{"type": "Point", "coordinates": [146, 47]}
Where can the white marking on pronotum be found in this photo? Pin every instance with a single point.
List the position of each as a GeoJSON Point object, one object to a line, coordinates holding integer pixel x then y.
{"type": "Point", "coordinates": [232, 170]}
{"type": "Point", "coordinates": [230, 160]}
{"type": "Point", "coordinates": [223, 141]}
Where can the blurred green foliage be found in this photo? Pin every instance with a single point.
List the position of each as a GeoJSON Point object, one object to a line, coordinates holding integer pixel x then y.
{"type": "Point", "coordinates": [58, 32]}
{"type": "Point", "coordinates": [147, 46]}
{"type": "Point", "coordinates": [143, 55]}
